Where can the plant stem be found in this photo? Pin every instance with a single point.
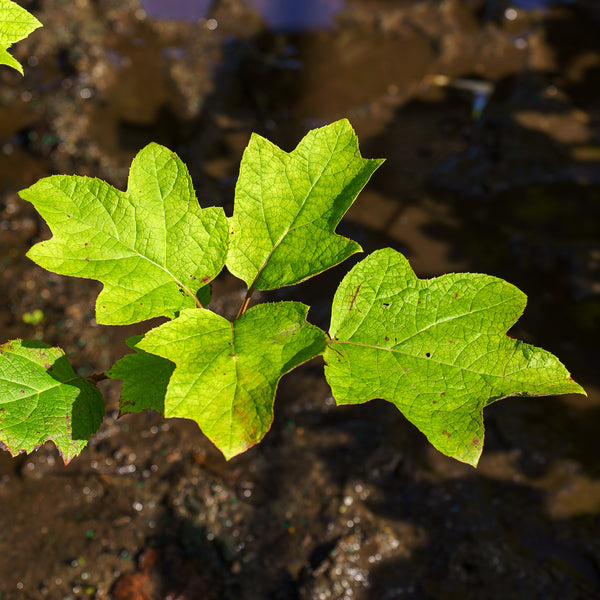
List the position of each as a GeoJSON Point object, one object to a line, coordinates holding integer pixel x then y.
{"type": "Point", "coordinates": [245, 302]}
{"type": "Point", "coordinates": [198, 303]}
{"type": "Point", "coordinates": [96, 377]}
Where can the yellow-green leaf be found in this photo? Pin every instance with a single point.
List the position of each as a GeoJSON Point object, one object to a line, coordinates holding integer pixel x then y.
{"type": "Point", "coordinates": [287, 206]}
{"type": "Point", "coordinates": [436, 348]}
{"type": "Point", "coordinates": [227, 373]}
{"type": "Point", "coordinates": [41, 398]}
{"type": "Point", "coordinates": [152, 246]}
{"type": "Point", "coordinates": [15, 24]}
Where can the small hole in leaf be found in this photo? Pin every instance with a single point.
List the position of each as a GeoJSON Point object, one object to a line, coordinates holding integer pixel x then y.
{"type": "Point", "coordinates": [428, 354]}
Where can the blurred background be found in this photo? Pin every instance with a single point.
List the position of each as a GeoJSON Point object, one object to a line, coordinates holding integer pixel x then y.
{"type": "Point", "coordinates": [488, 113]}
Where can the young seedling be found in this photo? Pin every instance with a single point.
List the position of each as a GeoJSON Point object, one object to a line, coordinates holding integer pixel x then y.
{"type": "Point", "coordinates": [437, 349]}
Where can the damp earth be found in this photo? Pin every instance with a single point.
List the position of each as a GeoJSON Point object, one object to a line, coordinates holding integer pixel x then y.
{"type": "Point", "coordinates": [488, 114]}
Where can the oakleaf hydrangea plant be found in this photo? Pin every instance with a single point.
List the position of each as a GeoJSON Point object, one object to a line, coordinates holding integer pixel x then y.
{"type": "Point", "coordinates": [437, 349]}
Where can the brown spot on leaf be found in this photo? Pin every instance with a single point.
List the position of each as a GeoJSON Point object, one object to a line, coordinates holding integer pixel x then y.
{"type": "Point", "coordinates": [446, 433]}
{"type": "Point", "coordinates": [47, 366]}
{"type": "Point", "coordinates": [475, 441]}
{"type": "Point", "coordinates": [354, 297]}
{"type": "Point", "coordinates": [204, 279]}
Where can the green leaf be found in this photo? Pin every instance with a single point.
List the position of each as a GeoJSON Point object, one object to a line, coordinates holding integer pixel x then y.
{"type": "Point", "coordinates": [41, 398]}
{"type": "Point", "coordinates": [15, 24]}
{"type": "Point", "coordinates": [145, 379]}
{"type": "Point", "coordinates": [435, 348]}
{"type": "Point", "coordinates": [227, 373]}
{"type": "Point", "coordinates": [287, 207]}
{"type": "Point", "coordinates": [152, 246]}
{"type": "Point", "coordinates": [204, 295]}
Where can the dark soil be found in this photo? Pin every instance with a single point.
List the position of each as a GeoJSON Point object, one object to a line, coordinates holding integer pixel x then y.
{"type": "Point", "coordinates": [337, 503]}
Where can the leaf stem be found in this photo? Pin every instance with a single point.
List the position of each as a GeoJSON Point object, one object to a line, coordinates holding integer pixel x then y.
{"type": "Point", "coordinates": [198, 303]}
{"type": "Point", "coordinates": [185, 288]}
{"type": "Point", "coordinates": [245, 302]}
{"type": "Point", "coordinates": [96, 377]}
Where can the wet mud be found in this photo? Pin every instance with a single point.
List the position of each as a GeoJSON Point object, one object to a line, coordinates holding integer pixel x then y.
{"type": "Point", "coordinates": [488, 115]}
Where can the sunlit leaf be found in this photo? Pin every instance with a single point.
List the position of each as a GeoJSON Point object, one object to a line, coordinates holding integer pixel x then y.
{"type": "Point", "coordinates": [41, 398]}
{"type": "Point", "coordinates": [287, 206]}
{"type": "Point", "coordinates": [152, 246]}
{"type": "Point", "coordinates": [15, 24]}
{"type": "Point", "coordinates": [227, 373]}
{"type": "Point", "coordinates": [437, 349]}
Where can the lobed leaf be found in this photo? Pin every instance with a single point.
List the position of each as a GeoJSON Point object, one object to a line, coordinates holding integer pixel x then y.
{"type": "Point", "coordinates": [437, 349]}
{"type": "Point", "coordinates": [15, 24]}
{"type": "Point", "coordinates": [287, 206]}
{"type": "Point", "coordinates": [227, 373]}
{"type": "Point", "coordinates": [152, 246]}
{"type": "Point", "coordinates": [41, 398]}
{"type": "Point", "coordinates": [145, 379]}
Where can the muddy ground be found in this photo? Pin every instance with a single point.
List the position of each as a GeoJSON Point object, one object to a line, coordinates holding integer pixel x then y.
{"type": "Point", "coordinates": [489, 118]}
